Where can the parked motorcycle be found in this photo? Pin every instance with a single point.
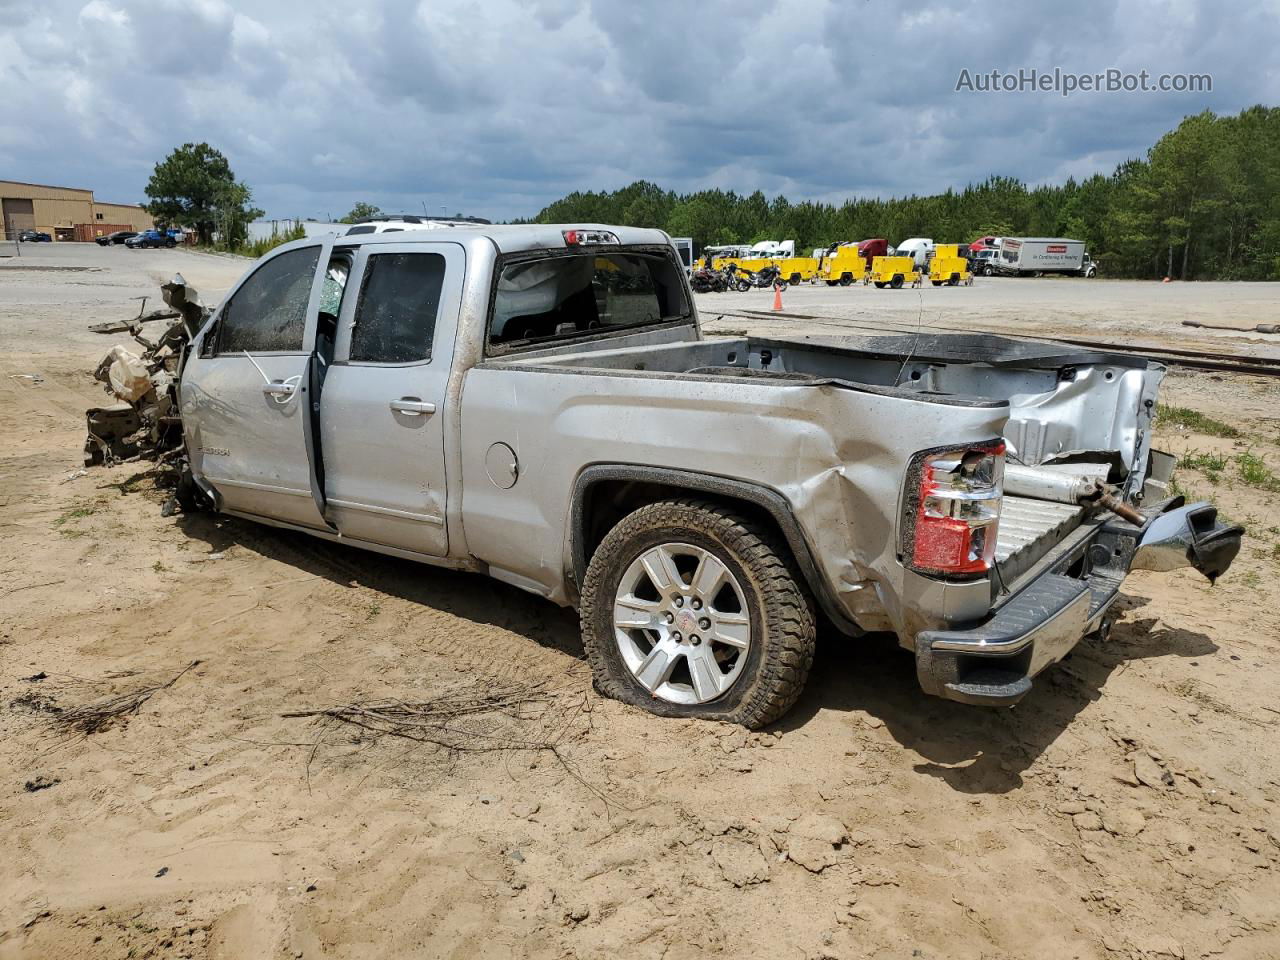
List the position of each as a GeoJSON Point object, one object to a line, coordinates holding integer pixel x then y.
{"type": "Point", "coordinates": [738, 278]}
{"type": "Point", "coordinates": [766, 277]}
{"type": "Point", "coordinates": [709, 281]}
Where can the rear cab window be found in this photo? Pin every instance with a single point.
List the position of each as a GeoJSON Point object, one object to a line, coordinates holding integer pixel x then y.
{"type": "Point", "coordinates": [549, 296]}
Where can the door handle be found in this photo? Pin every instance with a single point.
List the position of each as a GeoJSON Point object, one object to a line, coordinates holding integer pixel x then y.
{"type": "Point", "coordinates": [279, 388]}
{"type": "Point", "coordinates": [412, 406]}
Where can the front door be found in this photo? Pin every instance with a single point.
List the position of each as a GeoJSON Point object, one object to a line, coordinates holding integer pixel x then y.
{"type": "Point", "coordinates": [246, 391]}
{"type": "Point", "coordinates": [382, 408]}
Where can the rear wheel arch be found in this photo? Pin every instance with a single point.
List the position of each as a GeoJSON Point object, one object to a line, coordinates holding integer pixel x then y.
{"type": "Point", "coordinates": [604, 494]}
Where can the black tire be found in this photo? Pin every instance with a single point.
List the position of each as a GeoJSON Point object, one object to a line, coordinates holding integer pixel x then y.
{"type": "Point", "coordinates": [896, 282]}
{"type": "Point", "coordinates": [783, 624]}
{"type": "Point", "coordinates": [188, 494]}
{"type": "Point", "coordinates": [171, 242]}
{"type": "Point", "coordinates": [846, 280]}
{"type": "Point", "coordinates": [795, 280]}
{"type": "Point", "coordinates": [879, 285]}
{"type": "Point", "coordinates": [832, 283]}
{"type": "Point", "coordinates": [936, 283]}
{"type": "Point", "coordinates": [742, 286]}
{"type": "Point", "coordinates": [953, 280]}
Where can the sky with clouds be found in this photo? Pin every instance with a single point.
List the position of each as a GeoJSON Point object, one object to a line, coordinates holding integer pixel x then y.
{"type": "Point", "coordinates": [496, 107]}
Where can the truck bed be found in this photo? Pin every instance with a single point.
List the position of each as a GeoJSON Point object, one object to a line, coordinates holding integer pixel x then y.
{"type": "Point", "coordinates": [1063, 402]}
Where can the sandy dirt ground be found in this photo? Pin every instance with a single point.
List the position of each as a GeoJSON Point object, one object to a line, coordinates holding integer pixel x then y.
{"type": "Point", "coordinates": [1110, 311]}
{"type": "Point", "coordinates": [1128, 808]}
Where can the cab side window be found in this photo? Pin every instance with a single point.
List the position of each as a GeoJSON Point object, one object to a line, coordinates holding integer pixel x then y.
{"type": "Point", "coordinates": [269, 311]}
{"type": "Point", "coordinates": [395, 319]}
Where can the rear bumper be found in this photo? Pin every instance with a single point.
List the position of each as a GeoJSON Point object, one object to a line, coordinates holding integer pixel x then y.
{"type": "Point", "coordinates": [993, 662]}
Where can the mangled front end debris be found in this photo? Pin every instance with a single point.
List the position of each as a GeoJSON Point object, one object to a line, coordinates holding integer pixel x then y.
{"type": "Point", "coordinates": [143, 423]}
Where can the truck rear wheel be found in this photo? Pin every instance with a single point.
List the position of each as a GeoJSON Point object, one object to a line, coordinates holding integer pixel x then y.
{"type": "Point", "coordinates": [691, 610]}
{"type": "Point", "coordinates": [896, 282]}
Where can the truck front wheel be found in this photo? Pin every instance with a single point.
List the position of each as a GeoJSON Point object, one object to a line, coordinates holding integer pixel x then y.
{"type": "Point", "coordinates": [691, 610]}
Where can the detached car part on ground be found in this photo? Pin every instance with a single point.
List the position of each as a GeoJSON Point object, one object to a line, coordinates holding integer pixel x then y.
{"type": "Point", "coordinates": [538, 403]}
{"type": "Point", "coordinates": [143, 421]}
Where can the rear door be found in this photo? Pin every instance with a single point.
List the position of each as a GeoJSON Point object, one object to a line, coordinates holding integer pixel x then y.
{"type": "Point", "coordinates": [382, 412]}
{"type": "Point", "coordinates": [246, 390]}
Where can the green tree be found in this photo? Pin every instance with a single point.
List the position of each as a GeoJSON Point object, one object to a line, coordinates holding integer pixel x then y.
{"type": "Point", "coordinates": [1203, 202]}
{"type": "Point", "coordinates": [362, 211]}
{"type": "Point", "coordinates": [195, 187]}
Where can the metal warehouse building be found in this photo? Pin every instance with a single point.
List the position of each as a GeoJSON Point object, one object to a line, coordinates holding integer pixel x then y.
{"type": "Point", "coordinates": [65, 213]}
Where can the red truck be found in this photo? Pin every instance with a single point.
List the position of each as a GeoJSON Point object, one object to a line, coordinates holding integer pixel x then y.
{"type": "Point", "coordinates": [870, 249]}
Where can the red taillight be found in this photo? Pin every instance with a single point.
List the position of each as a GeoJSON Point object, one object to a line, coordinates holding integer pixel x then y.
{"type": "Point", "coordinates": [578, 237]}
{"type": "Point", "coordinates": [957, 510]}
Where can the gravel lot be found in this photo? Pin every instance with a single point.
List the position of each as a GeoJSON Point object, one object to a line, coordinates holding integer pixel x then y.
{"type": "Point", "coordinates": [1128, 808]}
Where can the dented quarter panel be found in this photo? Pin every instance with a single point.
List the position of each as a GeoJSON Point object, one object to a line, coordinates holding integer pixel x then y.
{"type": "Point", "coordinates": [837, 455]}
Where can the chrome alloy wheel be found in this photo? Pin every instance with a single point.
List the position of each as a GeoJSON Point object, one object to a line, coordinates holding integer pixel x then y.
{"type": "Point", "coordinates": [681, 622]}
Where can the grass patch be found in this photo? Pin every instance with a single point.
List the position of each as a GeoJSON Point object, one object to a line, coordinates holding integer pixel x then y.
{"type": "Point", "coordinates": [1195, 421]}
{"type": "Point", "coordinates": [77, 513]}
{"type": "Point", "coordinates": [1210, 464]}
{"type": "Point", "coordinates": [1206, 462]}
{"type": "Point", "coordinates": [1255, 472]}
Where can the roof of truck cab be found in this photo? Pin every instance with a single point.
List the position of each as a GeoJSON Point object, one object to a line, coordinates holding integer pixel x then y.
{"type": "Point", "coordinates": [513, 238]}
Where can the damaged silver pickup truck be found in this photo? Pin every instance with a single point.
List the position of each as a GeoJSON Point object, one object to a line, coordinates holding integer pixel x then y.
{"type": "Point", "coordinates": [538, 403]}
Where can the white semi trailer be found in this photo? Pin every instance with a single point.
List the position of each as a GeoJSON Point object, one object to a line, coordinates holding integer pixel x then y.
{"type": "Point", "coordinates": [1031, 256]}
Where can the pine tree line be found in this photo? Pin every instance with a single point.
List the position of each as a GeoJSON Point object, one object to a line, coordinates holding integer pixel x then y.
{"type": "Point", "coordinates": [1203, 204]}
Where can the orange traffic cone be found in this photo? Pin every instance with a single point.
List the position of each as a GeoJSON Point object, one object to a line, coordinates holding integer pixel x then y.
{"type": "Point", "coordinates": [777, 297]}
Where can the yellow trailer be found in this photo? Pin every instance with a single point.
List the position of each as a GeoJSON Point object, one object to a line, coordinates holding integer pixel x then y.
{"type": "Point", "coordinates": [947, 266]}
{"type": "Point", "coordinates": [844, 266]}
{"type": "Point", "coordinates": [795, 269]}
{"type": "Point", "coordinates": [754, 264]}
{"type": "Point", "coordinates": [894, 272]}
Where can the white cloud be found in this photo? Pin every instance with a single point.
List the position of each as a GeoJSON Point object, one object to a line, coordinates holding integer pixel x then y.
{"type": "Point", "coordinates": [103, 12]}
{"type": "Point", "coordinates": [496, 107]}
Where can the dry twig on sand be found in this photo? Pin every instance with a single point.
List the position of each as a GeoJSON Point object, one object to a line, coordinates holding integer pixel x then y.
{"type": "Point", "coordinates": [101, 714]}
{"type": "Point", "coordinates": [479, 718]}
{"type": "Point", "coordinates": [525, 717]}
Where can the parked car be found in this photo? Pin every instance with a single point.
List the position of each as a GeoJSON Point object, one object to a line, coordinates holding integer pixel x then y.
{"type": "Point", "coordinates": [150, 238]}
{"type": "Point", "coordinates": [119, 236]}
{"type": "Point", "coordinates": [539, 403]}
{"type": "Point", "coordinates": [34, 236]}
